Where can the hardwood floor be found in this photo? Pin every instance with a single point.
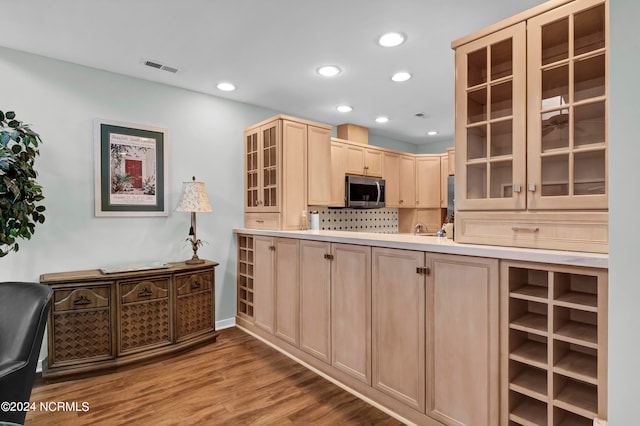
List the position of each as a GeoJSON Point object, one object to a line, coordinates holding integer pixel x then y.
{"type": "Point", "coordinates": [236, 381]}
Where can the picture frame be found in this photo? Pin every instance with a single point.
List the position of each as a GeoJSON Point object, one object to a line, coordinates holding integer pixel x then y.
{"type": "Point", "coordinates": [131, 167]}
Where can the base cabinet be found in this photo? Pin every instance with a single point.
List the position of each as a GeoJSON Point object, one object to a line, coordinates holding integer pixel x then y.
{"type": "Point", "coordinates": [462, 339]}
{"type": "Point", "coordinates": [100, 321]}
{"type": "Point", "coordinates": [438, 339]}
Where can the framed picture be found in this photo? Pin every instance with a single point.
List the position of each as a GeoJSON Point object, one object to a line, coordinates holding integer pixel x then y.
{"type": "Point", "coordinates": [130, 169]}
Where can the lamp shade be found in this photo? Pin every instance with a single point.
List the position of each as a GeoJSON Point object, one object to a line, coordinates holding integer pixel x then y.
{"type": "Point", "coordinates": [193, 198]}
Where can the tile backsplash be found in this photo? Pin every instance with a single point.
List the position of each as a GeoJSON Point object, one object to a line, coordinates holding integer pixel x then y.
{"type": "Point", "coordinates": [383, 221]}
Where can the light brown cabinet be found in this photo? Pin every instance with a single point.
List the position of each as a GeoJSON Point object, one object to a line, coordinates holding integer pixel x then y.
{"type": "Point", "coordinates": [287, 290]}
{"type": "Point", "coordinates": [462, 339]}
{"type": "Point", "coordinates": [263, 278]}
{"type": "Point", "coordinates": [99, 321]}
{"type": "Point", "coordinates": [338, 172]}
{"type": "Point", "coordinates": [398, 325]}
{"type": "Point", "coordinates": [531, 141]}
{"type": "Point", "coordinates": [444, 182]}
{"type": "Point", "coordinates": [427, 181]}
{"type": "Point", "coordinates": [407, 181]}
{"type": "Point", "coordinates": [351, 310]}
{"type": "Point", "coordinates": [276, 157]}
{"type": "Point", "coordinates": [362, 160]}
{"type": "Point", "coordinates": [554, 328]}
{"type": "Point", "coordinates": [391, 176]}
{"type": "Point", "coordinates": [315, 299]}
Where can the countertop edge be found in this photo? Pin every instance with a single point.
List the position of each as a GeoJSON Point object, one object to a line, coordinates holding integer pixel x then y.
{"type": "Point", "coordinates": [442, 245]}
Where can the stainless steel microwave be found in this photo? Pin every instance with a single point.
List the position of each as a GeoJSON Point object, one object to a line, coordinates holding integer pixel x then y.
{"type": "Point", "coordinates": [364, 192]}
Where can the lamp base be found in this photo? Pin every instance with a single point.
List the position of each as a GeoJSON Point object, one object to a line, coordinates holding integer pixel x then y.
{"type": "Point", "coordinates": [195, 260]}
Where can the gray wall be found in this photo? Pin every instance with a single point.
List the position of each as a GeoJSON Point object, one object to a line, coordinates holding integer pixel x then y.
{"type": "Point", "coordinates": [205, 139]}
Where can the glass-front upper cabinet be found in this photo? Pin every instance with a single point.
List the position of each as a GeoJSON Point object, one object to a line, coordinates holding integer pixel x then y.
{"type": "Point", "coordinates": [491, 121]}
{"type": "Point", "coordinates": [568, 108]}
{"type": "Point", "coordinates": [262, 168]}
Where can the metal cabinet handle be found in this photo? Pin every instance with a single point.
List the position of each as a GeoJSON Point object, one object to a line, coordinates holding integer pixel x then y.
{"type": "Point", "coordinates": [423, 270]}
{"type": "Point", "coordinates": [328, 256]}
{"type": "Point", "coordinates": [525, 228]}
{"type": "Point", "coordinates": [195, 284]}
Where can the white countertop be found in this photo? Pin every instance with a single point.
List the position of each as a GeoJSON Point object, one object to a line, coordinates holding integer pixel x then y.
{"type": "Point", "coordinates": [442, 245]}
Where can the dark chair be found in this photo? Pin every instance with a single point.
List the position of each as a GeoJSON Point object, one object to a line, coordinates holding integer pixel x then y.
{"type": "Point", "coordinates": [23, 315]}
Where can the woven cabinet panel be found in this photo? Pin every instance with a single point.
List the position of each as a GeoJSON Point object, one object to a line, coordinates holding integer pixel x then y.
{"type": "Point", "coordinates": [82, 334]}
{"type": "Point", "coordinates": [144, 324]}
{"type": "Point", "coordinates": [195, 313]}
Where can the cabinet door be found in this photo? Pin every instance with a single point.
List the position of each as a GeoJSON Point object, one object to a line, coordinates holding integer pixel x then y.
{"type": "Point", "coordinates": [252, 167]}
{"type": "Point", "coordinates": [391, 175]}
{"type": "Point", "coordinates": [491, 121]}
{"type": "Point", "coordinates": [294, 173]}
{"type": "Point", "coordinates": [318, 166]}
{"type": "Point", "coordinates": [355, 160]}
{"type": "Point", "coordinates": [287, 297]}
{"type": "Point", "coordinates": [428, 181]}
{"type": "Point", "coordinates": [462, 340]}
{"type": "Point", "coordinates": [262, 168]}
{"type": "Point", "coordinates": [567, 110]}
{"type": "Point", "coordinates": [351, 310]}
{"type": "Point", "coordinates": [444, 174]}
{"type": "Point", "coordinates": [373, 162]}
{"type": "Point", "coordinates": [315, 299]}
{"type": "Point", "coordinates": [194, 304]}
{"type": "Point", "coordinates": [263, 282]}
{"type": "Point", "coordinates": [398, 325]}
{"type": "Point", "coordinates": [338, 171]}
{"type": "Point", "coordinates": [407, 181]}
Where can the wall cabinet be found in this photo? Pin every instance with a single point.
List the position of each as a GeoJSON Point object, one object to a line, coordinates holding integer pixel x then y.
{"type": "Point", "coordinates": [100, 321]}
{"type": "Point", "coordinates": [428, 181]}
{"type": "Point", "coordinates": [554, 329]}
{"type": "Point", "coordinates": [444, 182]}
{"type": "Point", "coordinates": [276, 157]}
{"type": "Point", "coordinates": [531, 112]}
{"type": "Point", "coordinates": [391, 176]}
{"type": "Point", "coordinates": [407, 181]}
{"type": "Point", "coordinates": [338, 172]}
{"type": "Point", "coordinates": [362, 160]}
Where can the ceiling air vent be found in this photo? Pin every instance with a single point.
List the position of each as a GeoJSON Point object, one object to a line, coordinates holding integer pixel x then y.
{"type": "Point", "coordinates": [160, 66]}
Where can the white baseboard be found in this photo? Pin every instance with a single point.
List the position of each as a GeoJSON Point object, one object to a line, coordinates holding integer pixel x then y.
{"type": "Point", "coordinates": [220, 325]}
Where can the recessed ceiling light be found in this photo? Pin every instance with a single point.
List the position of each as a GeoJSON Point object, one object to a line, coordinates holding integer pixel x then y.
{"type": "Point", "coordinates": [226, 87]}
{"type": "Point", "coordinates": [391, 39]}
{"type": "Point", "coordinates": [344, 108]}
{"type": "Point", "coordinates": [382, 119]}
{"type": "Point", "coordinates": [329, 70]}
{"type": "Point", "coordinates": [401, 76]}
{"type": "Point", "coordinates": [432, 133]}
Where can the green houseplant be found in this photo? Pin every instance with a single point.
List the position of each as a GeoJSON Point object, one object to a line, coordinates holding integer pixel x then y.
{"type": "Point", "coordinates": [20, 194]}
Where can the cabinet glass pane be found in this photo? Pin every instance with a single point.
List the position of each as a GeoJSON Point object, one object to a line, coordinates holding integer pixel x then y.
{"type": "Point", "coordinates": [589, 78]}
{"type": "Point", "coordinates": [501, 138]}
{"type": "Point", "coordinates": [555, 175]}
{"type": "Point", "coordinates": [477, 106]}
{"type": "Point", "coordinates": [501, 179]}
{"type": "Point", "coordinates": [477, 67]}
{"type": "Point", "coordinates": [589, 30]}
{"type": "Point", "coordinates": [555, 129]}
{"type": "Point", "coordinates": [589, 173]}
{"type": "Point", "coordinates": [555, 41]}
{"type": "Point", "coordinates": [502, 59]}
{"type": "Point", "coordinates": [555, 87]}
{"type": "Point", "coordinates": [501, 100]}
{"type": "Point", "coordinates": [476, 142]}
{"type": "Point", "coordinates": [588, 124]}
{"type": "Point", "coordinates": [477, 181]}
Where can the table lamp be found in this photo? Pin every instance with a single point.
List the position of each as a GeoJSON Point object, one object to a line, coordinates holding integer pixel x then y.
{"type": "Point", "coordinates": [193, 198]}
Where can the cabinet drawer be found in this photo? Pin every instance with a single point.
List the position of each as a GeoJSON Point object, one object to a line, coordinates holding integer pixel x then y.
{"type": "Point", "coordinates": [81, 298]}
{"type": "Point", "coordinates": [193, 283]}
{"type": "Point", "coordinates": [262, 220]}
{"type": "Point", "coordinates": [576, 231]}
{"type": "Point", "coordinates": [140, 291]}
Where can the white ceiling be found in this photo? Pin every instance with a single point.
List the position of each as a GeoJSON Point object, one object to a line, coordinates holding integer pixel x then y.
{"type": "Point", "coordinates": [270, 50]}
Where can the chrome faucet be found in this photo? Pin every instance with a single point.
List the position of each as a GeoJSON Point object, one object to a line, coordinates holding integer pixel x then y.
{"type": "Point", "coordinates": [416, 229]}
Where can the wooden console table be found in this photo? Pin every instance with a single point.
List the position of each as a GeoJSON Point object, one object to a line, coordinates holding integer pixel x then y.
{"type": "Point", "coordinates": [99, 321]}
